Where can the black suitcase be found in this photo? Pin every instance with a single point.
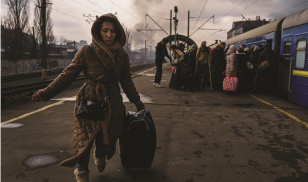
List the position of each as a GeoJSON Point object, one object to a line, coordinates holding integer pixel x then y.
{"type": "Point", "coordinates": [138, 141]}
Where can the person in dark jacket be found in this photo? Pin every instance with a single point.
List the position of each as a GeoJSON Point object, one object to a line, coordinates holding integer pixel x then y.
{"type": "Point", "coordinates": [267, 79]}
{"type": "Point", "coordinates": [182, 47]}
{"type": "Point", "coordinates": [192, 61]}
{"type": "Point", "coordinates": [251, 73]}
{"type": "Point", "coordinates": [203, 63]}
{"type": "Point", "coordinates": [192, 57]}
{"type": "Point", "coordinates": [219, 65]}
{"type": "Point", "coordinates": [161, 52]}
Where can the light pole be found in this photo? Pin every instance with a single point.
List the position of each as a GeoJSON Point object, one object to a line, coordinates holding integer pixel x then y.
{"type": "Point", "coordinates": [175, 23]}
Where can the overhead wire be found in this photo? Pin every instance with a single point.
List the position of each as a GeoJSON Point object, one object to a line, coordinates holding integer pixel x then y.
{"type": "Point", "coordinates": [72, 6]}
{"type": "Point", "coordinates": [288, 8]}
{"type": "Point", "coordinates": [235, 16]}
{"type": "Point", "coordinates": [126, 11]}
{"type": "Point", "coordinates": [86, 6]}
{"type": "Point", "coordinates": [199, 15]}
{"type": "Point", "coordinates": [289, 12]}
{"type": "Point", "coordinates": [68, 14]}
{"type": "Point", "coordinates": [225, 16]}
{"type": "Point", "coordinates": [98, 6]}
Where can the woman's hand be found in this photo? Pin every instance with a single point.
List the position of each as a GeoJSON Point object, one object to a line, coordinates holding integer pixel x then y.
{"type": "Point", "coordinates": [139, 105]}
{"type": "Point", "coordinates": [36, 97]}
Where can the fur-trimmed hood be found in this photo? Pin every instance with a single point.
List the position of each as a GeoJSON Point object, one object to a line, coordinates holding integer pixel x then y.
{"type": "Point", "coordinates": [120, 37]}
{"type": "Point", "coordinates": [232, 49]}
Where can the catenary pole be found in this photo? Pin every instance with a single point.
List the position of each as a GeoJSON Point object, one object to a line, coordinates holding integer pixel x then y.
{"type": "Point", "coordinates": [145, 51]}
{"type": "Point", "coordinates": [188, 24]}
{"type": "Point", "coordinates": [170, 30]}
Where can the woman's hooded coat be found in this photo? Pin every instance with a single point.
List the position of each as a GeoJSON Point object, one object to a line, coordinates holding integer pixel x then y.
{"type": "Point", "coordinates": [231, 62]}
{"type": "Point", "coordinates": [116, 60]}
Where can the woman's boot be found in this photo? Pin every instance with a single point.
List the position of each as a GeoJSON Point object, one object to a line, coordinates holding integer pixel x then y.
{"type": "Point", "coordinates": [82, 176]}
{"type": "Point", "coordinates": [100, 162]}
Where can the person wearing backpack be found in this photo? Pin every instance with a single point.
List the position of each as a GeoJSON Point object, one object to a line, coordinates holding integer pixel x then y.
{"type": "Point", "coordinates": [203, 63]}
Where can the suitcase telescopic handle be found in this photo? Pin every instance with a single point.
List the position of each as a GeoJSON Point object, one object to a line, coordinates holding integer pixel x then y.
{"type": "Point", "coordinates": [148, 128]}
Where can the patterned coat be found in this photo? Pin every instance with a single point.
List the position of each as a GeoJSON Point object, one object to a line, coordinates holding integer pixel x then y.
{"type": "Point", "coordinates": [231, 62]}
{"type": "Point", "coordinates": [116, 60]}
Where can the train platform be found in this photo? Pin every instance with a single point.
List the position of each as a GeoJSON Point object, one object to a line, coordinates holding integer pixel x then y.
{"type": "Point", "coordinates": [201, 136]}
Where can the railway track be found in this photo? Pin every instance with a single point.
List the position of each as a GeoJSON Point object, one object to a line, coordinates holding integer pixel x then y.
{"type": "Point", "coordinates": [17, 90]}
{"type": "Point", "coordinates": [10, 78]}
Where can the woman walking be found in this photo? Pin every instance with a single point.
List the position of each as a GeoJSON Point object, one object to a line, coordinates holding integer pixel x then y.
{"type": "Point", "coordinates": [108, 40]}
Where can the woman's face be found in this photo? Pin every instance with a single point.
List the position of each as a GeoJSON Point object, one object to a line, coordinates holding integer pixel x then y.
{"type": "Point", "coordinates": [108, 33]}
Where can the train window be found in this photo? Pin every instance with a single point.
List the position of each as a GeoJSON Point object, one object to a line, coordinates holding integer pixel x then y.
{"type": "Point", "coordinates": [300, 54]}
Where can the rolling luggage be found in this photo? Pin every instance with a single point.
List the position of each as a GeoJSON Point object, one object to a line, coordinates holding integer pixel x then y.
{"type": "Point", "coordinates": [138, 141]}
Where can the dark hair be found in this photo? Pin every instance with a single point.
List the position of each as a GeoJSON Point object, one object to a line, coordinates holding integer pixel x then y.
{"type": "Point", "coordinates": [164, 40]}
{"type": "Point", "coordinates": [174, 47]}
{"type": "Point", "coordinates": [99, 26]}
{"type": "Point", "coordinates": [222, 43]}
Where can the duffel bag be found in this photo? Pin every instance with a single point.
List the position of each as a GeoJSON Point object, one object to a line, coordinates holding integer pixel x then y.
{"type": "Point", "coordinates": [230, 83]}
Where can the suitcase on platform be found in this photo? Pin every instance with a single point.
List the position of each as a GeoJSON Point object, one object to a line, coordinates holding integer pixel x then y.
{"type": "Point", "coordinates": [138, 141]}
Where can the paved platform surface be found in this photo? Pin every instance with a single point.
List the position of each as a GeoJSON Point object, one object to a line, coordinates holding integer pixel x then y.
{"type": "Point", "coordinates": [202, 136]}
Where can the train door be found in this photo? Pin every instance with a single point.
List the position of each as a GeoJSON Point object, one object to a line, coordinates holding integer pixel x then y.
{"type": "Point", "coordinates": [285, 64]}
{"type": "Point", "coordinates": [298, 76]}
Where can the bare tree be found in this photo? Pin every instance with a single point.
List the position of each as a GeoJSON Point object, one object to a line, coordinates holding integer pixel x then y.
{"type": "Point", "coordinates": [62, 40]}
{"type": "Point", "coordinates": [14, 25]}
{"type": "Point", "coordinates": [37, 22]}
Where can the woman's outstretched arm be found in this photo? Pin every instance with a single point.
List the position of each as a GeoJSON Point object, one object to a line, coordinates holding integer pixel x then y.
{"type": "Point", "coordinates": [67, 77]}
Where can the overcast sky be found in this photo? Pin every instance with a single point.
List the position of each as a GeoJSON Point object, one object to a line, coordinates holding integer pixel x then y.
{"type": "Point", "coordinates": [67, 16]}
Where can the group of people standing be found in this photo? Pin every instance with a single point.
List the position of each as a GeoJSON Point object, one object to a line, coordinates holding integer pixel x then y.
{"type": "Point", "coordinates": [203, 66]}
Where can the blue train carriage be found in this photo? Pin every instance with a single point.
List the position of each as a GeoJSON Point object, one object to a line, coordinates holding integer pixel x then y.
{"type": "Point", "coordinates": [267, 34]}
{"type": "Point", "coordinates": [294, 69]}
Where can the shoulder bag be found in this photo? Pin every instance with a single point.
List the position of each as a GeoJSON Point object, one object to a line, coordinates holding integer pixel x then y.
{"type": "Point", "coordinates": [177, 61]}
{"type": "Point", "coordinates": [88, 108]}
{"type": "Point", "coordinates": [265, 64]}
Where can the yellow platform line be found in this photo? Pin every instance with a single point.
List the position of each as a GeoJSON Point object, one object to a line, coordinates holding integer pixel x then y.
{"type": "Point", "coordinates": [278, 109]}
{"type": "Point", "coordinates": [33, 112]}
{"type": "Point", "coordinates": [46, 107]}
